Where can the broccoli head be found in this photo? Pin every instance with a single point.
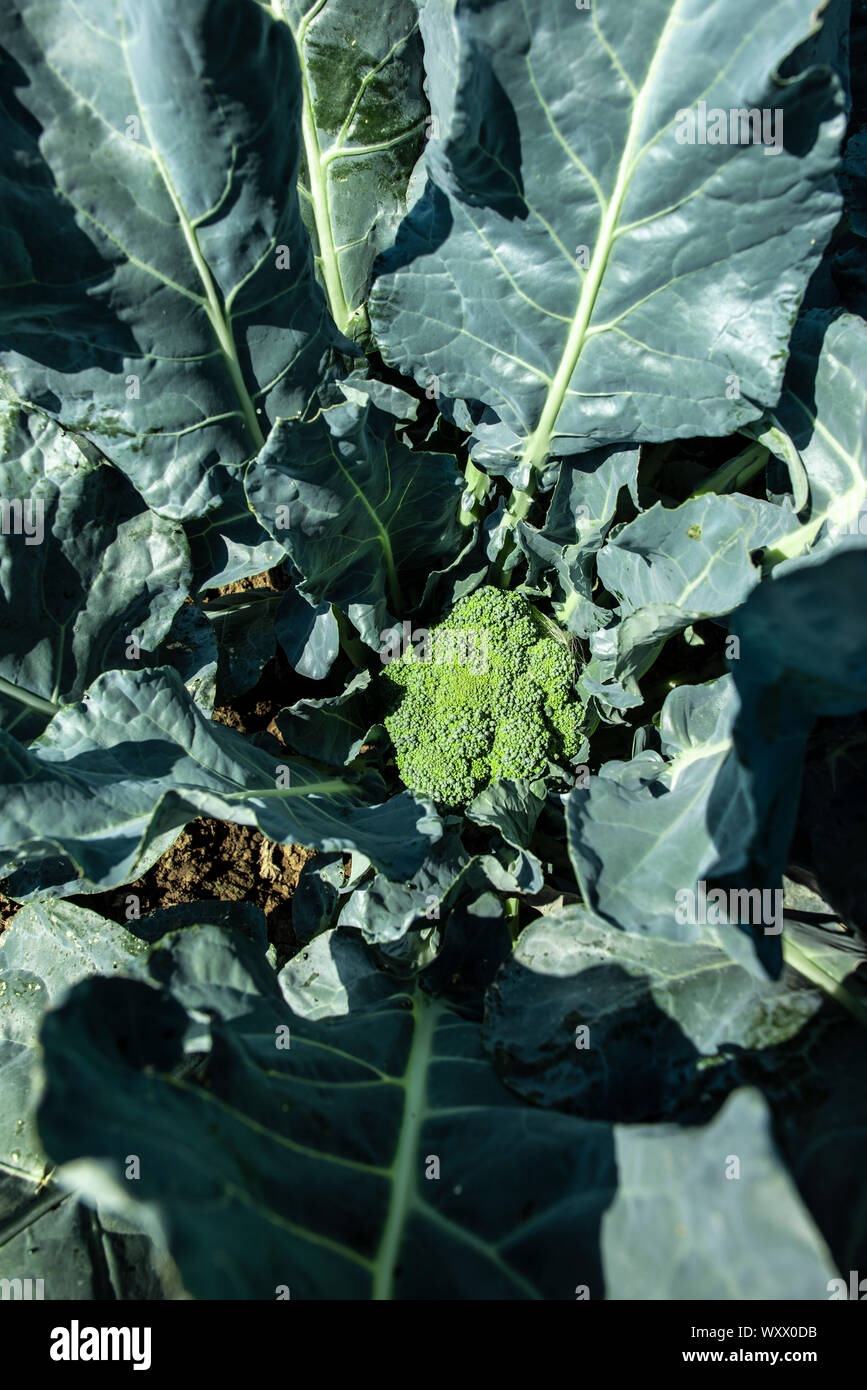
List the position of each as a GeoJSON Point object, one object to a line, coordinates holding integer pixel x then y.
{"type": "Point", "coordinates": [487, 694]}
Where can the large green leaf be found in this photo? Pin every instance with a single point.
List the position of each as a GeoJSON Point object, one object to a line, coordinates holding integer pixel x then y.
{"type": "Point", "coordinates": [614, 1025]}
{"type": "Point", "coordinates": [160, 288]}
{"type": "Point", "coordinates": [98, 570]}
{"type": "Point", "coordinates": [243, 626]}
{"type": "Point", "coordinates": [822, 413]}
{"type": "Point", "coordinates": [815, 1085]}
{"type": "Point", "coordinates": [331, 730]}
{"type": "Point", "coordinates": [644, 829]}
{"type": "Point", "coordinates": [832, 818]}
{"type": "Point", "coordinates": [373, 1153]}
{"type": "Point", "coordinates": [308, 635]}
{"type": "Point", "coordinates": [573, 264]}
{"type": "Point", "coordinates": [606, 1024]}
{"type": "Point", "coordinates": [725, 803]}
{"type": "Point", "coordinates": [696, 557]}
{"type": "Point", "coordinates": [705, 1228]}
{"type": "Point", "coordinates": [317, 1149]}
{"type": "Point", "coordinates": [674, 566]}
{"type": "Point", "coordinates": [363, 123]}
{"type": "Point", "coordinates": [137, 760]}
{"type": "Point", "coordinates": [45, 1233]}
{"type": "Point", "coordinates": [229, 544]}
{"type": "Point", "coordinates": [802, 654]}
{"type": "Point", "coordinates": [331, 976]}
{"type": "Point", "coordinates": [356, 509]}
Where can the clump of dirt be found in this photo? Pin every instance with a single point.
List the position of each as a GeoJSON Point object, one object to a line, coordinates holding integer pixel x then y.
{"type": "Point", "coordinates": [275, 578]}
{"type": "Point", "coordinates": [252, 713]}
{"type": "Point", "coordinates": [216, 859]}
{"type": "Point", "coordinates": [277, 686]}
{"type": "Point", "coordinates": [8, 908]}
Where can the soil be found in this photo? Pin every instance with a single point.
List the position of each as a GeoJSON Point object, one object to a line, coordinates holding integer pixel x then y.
{"type": "Point", "coordinates": [8, 908]}
{"type": "Point", "coordinates": [275, 578]}
{"type": "Point", "coordinates": [216, 859]}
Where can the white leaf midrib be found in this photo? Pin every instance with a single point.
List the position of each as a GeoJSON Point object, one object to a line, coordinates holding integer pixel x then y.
{"type": "Point", "coordinates": [403, 1186]}
{"type": "Point", "coordinates": [538, 444]}
{"type": "Point", "coordinates": [213, 308]}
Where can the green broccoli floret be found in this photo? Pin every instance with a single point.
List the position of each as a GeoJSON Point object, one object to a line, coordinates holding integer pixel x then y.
{"type": "Point", "coordinates": [487, 694]}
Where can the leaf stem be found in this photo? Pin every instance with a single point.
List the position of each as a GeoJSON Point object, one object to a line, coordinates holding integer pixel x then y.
{"type": "Point", "coordinates": [404, 1167]}
{"type": "Point", "coordinates": [26, 697]}
{"type": "Point", "coordinates": [740, 469]}
{"type": "Point", "coordinates": [349, 642]}
{"type": "Point", "coordinates": [800, 960]}
{"type": "Point", "coordinates": [567, 607]}
{"type": "Point", "coordinates": [518, 509]}
{"type": "Point", "coordinates": [477, 489]}
{"type": "Point", "coordinates": [538, 445]}
{"type": "Point", "coordinates": [317, 173]}
{"type": "Point", "coordinates": [215, 311]}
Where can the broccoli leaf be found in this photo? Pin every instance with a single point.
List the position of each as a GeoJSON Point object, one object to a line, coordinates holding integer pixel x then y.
{"type": "Point", "coordinates": [703, 1235]}
{"type": "Point", "coordinates": [45, 1231]}
{"type": "Point", "coordinates": [674, 566]}
{"type": "Point", "coordinates": [802, 654]}
{"type": "Point", "coordinates": [363, 123]}
{"type": "Point", "coordinates": [159, 146]}
{"type": "Point", "coordinates": [95, 584]}
{"type": "Point", "coordinates": [655, 1015]}
{"type": "Point", "coordinates": [319, 1147]}
{"type": "Point", "coordinates": [575, 263]}
{"type": "Point", "coordinates": [136, 760]}
{"type": "Point", "coordinates": [642, 830]}
{"type": "Point", "coordinates": [822, 411]}
{"type": "Point", "coordinates": [355, 509]}
{"type": "Point", "coordinates": [373, 1153]}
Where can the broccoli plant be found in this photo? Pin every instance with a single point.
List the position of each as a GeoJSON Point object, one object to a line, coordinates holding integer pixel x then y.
{"type": "Point", "coordinates": [489, 693]}
{"type": "Point", "coordinates": [533, 329]}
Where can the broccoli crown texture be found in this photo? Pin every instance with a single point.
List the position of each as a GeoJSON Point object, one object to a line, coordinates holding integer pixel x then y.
{"type": "Point", "coordinates": [487, 694]}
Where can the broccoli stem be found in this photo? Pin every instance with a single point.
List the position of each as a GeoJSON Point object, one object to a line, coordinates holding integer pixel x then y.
{"type": "Point", "coordinates": [350, 643]}
{"type": "Point", "coordinates": [811, 970]}
{"type": "Point", "coordinates": [522, 500]}
{"type": "Point", "coordinates": [736, 471]}
{"type": "Point", "coordinates": [518, 509]}
{"type": "Point", "coordinates": [477, 488]}
{"type": "Point", "coordinates": [566, 609]}
{"type": "Point", "coordinates": [26, 697]}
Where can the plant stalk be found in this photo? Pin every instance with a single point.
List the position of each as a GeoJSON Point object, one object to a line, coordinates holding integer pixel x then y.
{"type": "Point", "coordinates": [26, 697]}
{"type": "Point", "coordinates": [518, 509]}
{"type": "Point", "coordinates": [797, 957]}
{"type": "Point", "coordinates": [350, 643]}
{"type": "Point", "coordinates": [740, 469]}
{"type": "Point", "coordinates": [477, 488]}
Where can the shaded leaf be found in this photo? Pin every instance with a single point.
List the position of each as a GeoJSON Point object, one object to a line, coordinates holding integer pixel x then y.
{"type": "Point", "coordinates": [168, 332]}
{"type": "Point", "coordinates": [596, 290]}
